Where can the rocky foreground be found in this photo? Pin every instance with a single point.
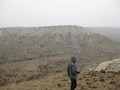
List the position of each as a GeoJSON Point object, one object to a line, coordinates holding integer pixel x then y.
{"type": "Point", "coordinates": [113, 65]}
{"type": "Point", "coordinates": [86, 81]}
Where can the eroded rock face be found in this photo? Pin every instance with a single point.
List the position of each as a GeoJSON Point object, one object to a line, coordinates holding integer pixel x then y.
{"type": "Point", "coordinates": [113, 65]}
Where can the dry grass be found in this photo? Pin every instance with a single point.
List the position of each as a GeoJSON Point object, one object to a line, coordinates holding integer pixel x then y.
{"type": "Point", "coordinates": [86, 81]}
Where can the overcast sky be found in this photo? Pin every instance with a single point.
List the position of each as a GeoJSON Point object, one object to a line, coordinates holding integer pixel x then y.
{"type": "Point", "coordinates": [85, 13]}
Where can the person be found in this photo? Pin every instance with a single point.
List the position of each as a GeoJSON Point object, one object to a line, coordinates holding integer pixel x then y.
{"type": "Point", "coordinates": [72, 72]}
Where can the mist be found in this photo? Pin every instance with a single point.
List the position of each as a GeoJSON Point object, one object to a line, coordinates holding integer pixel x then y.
{"type": "Point", "coordinates": [87, 13]}
{"type": "Point", "coordinates": [39, 37]}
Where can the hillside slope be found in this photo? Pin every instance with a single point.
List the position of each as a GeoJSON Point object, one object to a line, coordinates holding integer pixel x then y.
{"type": "Point", "coordinates": [36, 52]}
{"type": "Point", "coordinates": [28, 43]}
{"type": "Point", "coordinates": [112, 33]}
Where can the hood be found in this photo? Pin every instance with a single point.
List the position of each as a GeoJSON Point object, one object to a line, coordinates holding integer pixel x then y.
{"type": "Point", "coordinates": [73, 59]}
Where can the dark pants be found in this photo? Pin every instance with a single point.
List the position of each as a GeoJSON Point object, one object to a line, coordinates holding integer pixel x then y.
{"type": "Point", "coordinates": [73, 84]}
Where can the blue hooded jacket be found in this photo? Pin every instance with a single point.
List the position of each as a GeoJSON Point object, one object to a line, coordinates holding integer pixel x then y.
{"type": "Point", "coordinates": [72, 70]}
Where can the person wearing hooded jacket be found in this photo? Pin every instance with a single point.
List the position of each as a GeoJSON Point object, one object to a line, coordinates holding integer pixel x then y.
{"type": "Point", "coordinates": [72, 72]}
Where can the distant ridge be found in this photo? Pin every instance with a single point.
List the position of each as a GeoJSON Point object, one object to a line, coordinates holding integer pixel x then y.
{"type": "Point", "coordinates": [110, 32]}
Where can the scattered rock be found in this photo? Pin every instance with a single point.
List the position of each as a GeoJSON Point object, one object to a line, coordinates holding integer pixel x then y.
{"type": "Point", "coordinates": [88, 83]}
{"type": "Point", "coordinates": [113, 82]}
{"type": "Point", "coordinates": [59, 85]}
{"type": "Point", "coordinates": [102, 80]}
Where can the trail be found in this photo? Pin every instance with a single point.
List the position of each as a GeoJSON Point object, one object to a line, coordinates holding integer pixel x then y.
{"type": "Point", "coordinates": [105, 64]}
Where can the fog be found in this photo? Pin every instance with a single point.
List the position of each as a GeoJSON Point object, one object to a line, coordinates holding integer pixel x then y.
{"type": "Point", "coordinates": [0, 33]}
{"type": "Point", "coordinates": [87, 13]}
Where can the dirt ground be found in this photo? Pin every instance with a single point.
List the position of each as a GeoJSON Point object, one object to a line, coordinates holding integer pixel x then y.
{"type": "Point", "coordinates": [85, 81]}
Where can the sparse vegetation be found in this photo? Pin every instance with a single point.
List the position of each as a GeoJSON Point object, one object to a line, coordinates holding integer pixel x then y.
{"type": "Point", "coordinates": [40, 55]}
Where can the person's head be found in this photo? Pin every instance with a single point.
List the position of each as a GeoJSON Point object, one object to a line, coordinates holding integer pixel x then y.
{"type": "Point", "coordinates": [73, 59]}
